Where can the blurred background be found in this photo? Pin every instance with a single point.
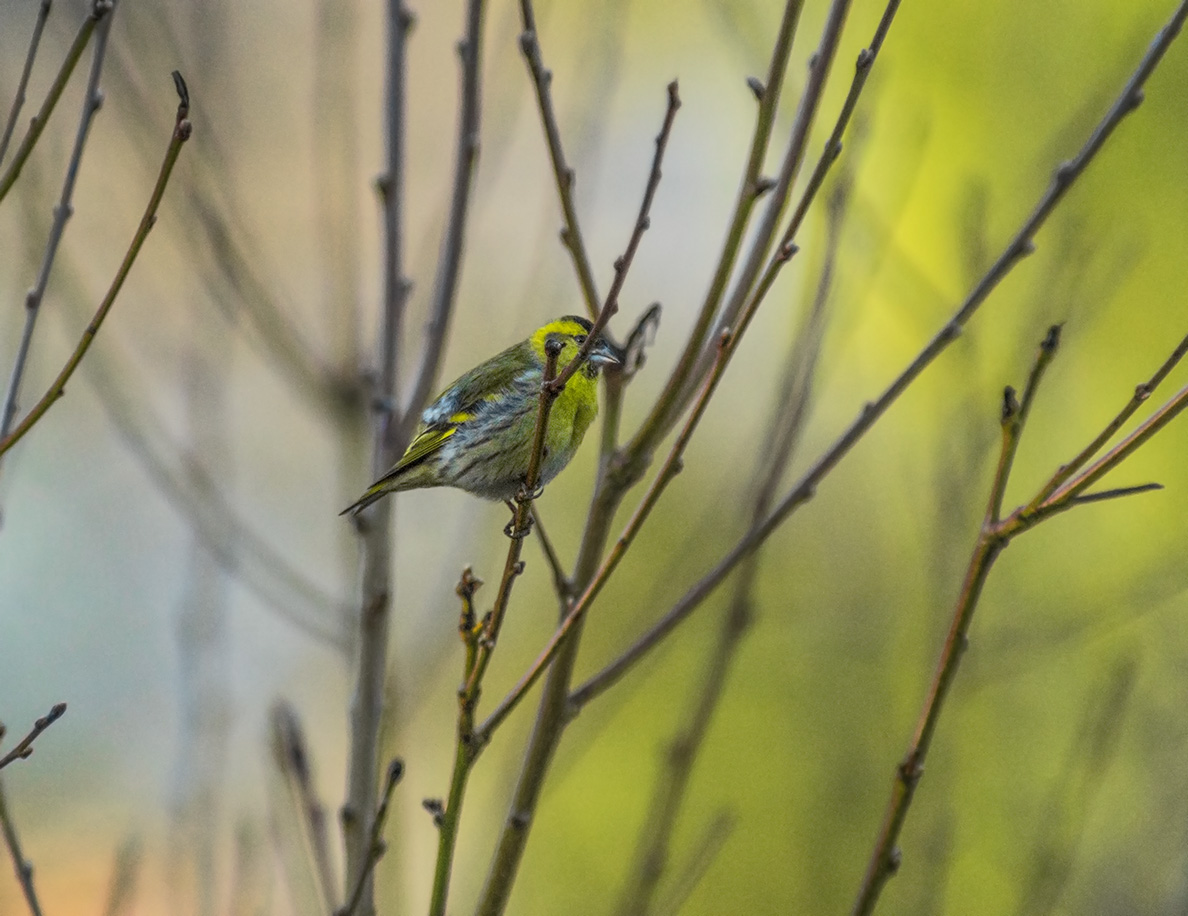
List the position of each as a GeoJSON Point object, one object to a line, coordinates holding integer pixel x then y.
{"type": "Point", "coordinates": [172, 563]}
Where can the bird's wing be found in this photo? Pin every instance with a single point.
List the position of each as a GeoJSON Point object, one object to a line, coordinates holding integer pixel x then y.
{"type": "Point", "coordinates": [485, 383]}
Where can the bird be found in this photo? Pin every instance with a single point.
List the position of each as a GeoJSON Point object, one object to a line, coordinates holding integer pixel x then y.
{"type": "Point", "coordinates": [477, 434]}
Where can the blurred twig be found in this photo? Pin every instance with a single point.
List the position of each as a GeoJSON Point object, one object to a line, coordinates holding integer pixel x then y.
{"type": "Point", "coordinates": [124, 874]}
{"type": "Point", "coordinates": [1062, 819]}
{"type": "Point", "coordinates": [790, 409]}
{"type": "Point", "coordinates": [705, 853]}
{"type": "Point", "coordinates": [1017, 248]}
{"type": "Point", "coordinates": [18, 101]}
{"type": "Point", "coordinates": [92, 99]}
{"type": "Point", "coordinates": [752, 188]}
{"type": "Point", "coordinates": [292, 757]}
{"type": "Point", "coordinates": [376, 845]}
{"type": "Point", "coordinates": [448, 267]}
{"type": "Point", "coordinates": [181, 133]}
{"type": "Point", "coordinates": [23, 867]}
{"type": "Point", "coordinates": [24, 747]}
{"type": "Point", "coordinates": [375, 525]}
{"type": "Point", "coordinates": [99, 9]}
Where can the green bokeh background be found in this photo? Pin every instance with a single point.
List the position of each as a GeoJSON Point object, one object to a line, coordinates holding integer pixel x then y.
{"type": "Point", "coordinates": [1056, 783]}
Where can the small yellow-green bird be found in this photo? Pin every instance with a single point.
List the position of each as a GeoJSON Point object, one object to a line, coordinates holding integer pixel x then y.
{"type": "Point", "coordinates": [477, 435]}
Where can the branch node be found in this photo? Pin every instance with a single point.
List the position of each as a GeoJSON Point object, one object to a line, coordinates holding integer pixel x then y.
{"type": "Point", "coordinates": [757, 88]}
{"type": "Point", "coordinates": [1010, 405]}
{"type": "Point", "coordinates": [436, 809]}
{"type": "Point", "coordinates": [1052, 339]}
{"type": "Point", "coordinates": [763, 184]}
{"type": "Point", "coordinates": [865, 59]}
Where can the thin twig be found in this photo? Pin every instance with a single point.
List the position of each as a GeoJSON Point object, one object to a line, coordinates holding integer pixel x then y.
{"type": "Point", "coordinates": [124, 874]}
{"type": "Point", "coordinates": [25, 747]}
{"type": "Point", "coordinates": [623, 263]}
{"type": "Point", "coordinates": [666, 405]}
{"type": "Point", "coordinates": [293, 760]}
{"type": "Point", "coordinates": [789, 413]}
{"type": "Point", "coordinates": [705, 854]}
{"type": "Point", "coordinates": [561, 582]}
{"type": "Point", "coordinates": [571, 235]}
{"type": "Point", "coordinates": [996, 534]}
{"type": "Point", "coordinates": [371, 665]}
{"type": "Point", "coordinates": [552, 715]}
{"type": "Point", "coordinates": [18, 101]}
{"type": "Point", "coordinates": [23, 867]}
{"type": "Point", "coordinates": [99, 9]}
{"type": "Point", "coordinates": [376, 845]}
{"type": "Point", "coordinates": [453, 241]}
{"type": "Point", "coordinates": [1141, 394]}
{"type": "Point", "coordinates": [671, 467]}
{"type": "Point", "coordinates": [92, 99]}
{"type": "Point", "coordinates": [803, 491]}
{"type": "Point", "coordinates": [481, 640]}
{"type": "Point", "coordinates": [733, 313]}
{"type": "Point", "coordinates": [739, 311]}
{"type": "Point", "coordinates": [181, 133]}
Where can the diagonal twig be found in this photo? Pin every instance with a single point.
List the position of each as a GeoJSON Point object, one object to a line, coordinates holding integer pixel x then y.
{"type": "Point", "coordinates": [181, 133]}
{"type": "Point", "coordinates": [92, 99]}
{"type": "Point", "coordinates": [8, 177]}
{"type": "Point", "coordinates": [571, 235]}
{"type": "Point", "coordinates": [18, 101]}
{"type": "Point", "coordinates": [803, 491]}
{"type": "Point", "coordinates": [24, 747]}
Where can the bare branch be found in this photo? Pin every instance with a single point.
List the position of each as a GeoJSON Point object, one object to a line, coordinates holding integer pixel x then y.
{"type": "Point", "coordinates": [18, 101]}
{"type": "Point", "coordinates": [1141, 394]}
{"type": "Point", "coordinates": [92, 99]}
{"type": "Point", "coordinates": [769, 96]}
{"type": "Point", "coordinates": [24, 748]}
{"type": "Point", "coordinates": [453, 241]}
{"type": "Point", "coordinates": [181, 133]}
{"type": "Point", "coordinates": [359, 810]}
{"type": "Point", "coordinates": [376, 848]}
{"type": "Point", "coordinates": [23, 867]}
{"type": "Point", "coordinates": [571, 235]}
{"type": "Point", "coordinates": [291, 752]}
{"type": "Point", "coordinates": [623, 263]}
{"type": "Point", "coordinates": [99, 9]}
{"type": "Point", "coordinates": [803, 491]}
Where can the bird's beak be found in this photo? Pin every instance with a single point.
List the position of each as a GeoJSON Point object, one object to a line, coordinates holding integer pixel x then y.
{"type": "Point", "coordinates": [605, 353]}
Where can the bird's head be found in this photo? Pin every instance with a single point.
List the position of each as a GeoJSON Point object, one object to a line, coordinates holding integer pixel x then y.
{"type": "Point", "coordinates": [570, 333]}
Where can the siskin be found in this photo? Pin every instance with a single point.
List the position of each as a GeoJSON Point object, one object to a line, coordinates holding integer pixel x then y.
{"type": "Point", "coordinates": [477, 435]}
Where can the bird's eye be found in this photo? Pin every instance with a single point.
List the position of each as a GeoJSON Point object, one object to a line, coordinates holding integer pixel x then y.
{"type": "Point", "coordinates": [579, 339]}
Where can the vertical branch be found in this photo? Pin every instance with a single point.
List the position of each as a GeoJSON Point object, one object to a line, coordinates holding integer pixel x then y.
{"type": "Point", "coordinates": [92, 99]}
{"type": "Point", "coordinates": [454, 239]}
{"type": "Point", "coordinates": [359, 810]}
{"type": "Point", "coordinates": [23, 867]}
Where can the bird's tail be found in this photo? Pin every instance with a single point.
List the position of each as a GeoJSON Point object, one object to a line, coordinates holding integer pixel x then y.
{"type": "Point", "coordinates": [375, 492]}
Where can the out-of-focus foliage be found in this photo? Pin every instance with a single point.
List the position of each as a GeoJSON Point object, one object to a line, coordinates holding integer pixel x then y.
{"type": "Point", "coordinates": [1056, 784]}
